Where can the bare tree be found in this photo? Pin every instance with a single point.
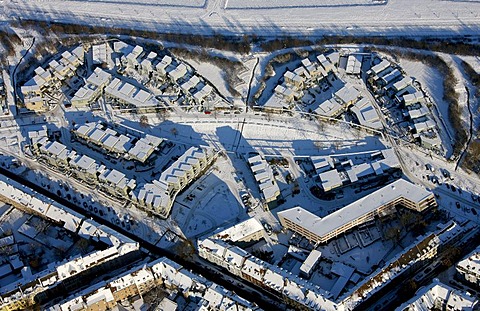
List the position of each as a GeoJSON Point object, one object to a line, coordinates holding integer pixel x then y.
{"type": "Point", "coordinates": [174, 131]}
{"type": "Point", "coordinates": [144, 121]}
{"type": "Point", "coordinates": [163, 114]}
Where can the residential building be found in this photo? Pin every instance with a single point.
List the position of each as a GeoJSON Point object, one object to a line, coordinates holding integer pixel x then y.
{"type": "Point", "coordinates": [354, 64]}
{"type": "Point", "coordinates": [245, 231]}
{"type": "Point", "coordinates": [421, 252]}
{"type": "Point", "coordinates": [133, 58]}
{"type": "Point", "coordinates": [330, 108]}
{"type": "Point", "coordinates": [125, 95]}
{"type": "Point", "coordinates": [69, 274]}
{"type": "Point", "coordinates": [347, 95]}
{"type": "Point", "coordinates": [379, 203]}
{"type": "Point", "coordinates": [310, 263]}
{"type": "Point", "coordinates": [115, 183]}
{"type": "Point", "coordinates": [85, 169]}
{"type": "Point", "coordinates": [366, 114]}
{"type": "Point", "coordinates": [293, 79]}
{"type": "Point", "coordinates": [263, 174]}
{"type": "Point", "coordinates": [93, 88]}
{"type": "Point", "coordinates": [338, 170]}
{"type": "Point", "coordinates": [119, 145]}
{"type": "Point", "coordinates": [161, 67]}
{"type": "Point", "coordinates": [326, 64]}
{"type": "Point", "coordinates": [159, 195]}
{"type": "Point", "coordinates": [298, 293]}
{"type": "Point", "coordinates": [56, 154]}
{"type": "Point", "coordinates": [438, 296]}
{"type": "Point", "coordinates": [468, 269]}
{"type": "Point", "coordinates": [58, 71]}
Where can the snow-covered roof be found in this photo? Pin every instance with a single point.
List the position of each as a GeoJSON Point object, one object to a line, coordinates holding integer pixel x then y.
{"type": "Point", "coordinates": [329, 108]}
{"type": "Point", "coordinates": [384, 64]}
{"type": "Point", "coordinates": [439, 296]}
{"type": "Point", "coordinates": [418, 113]}
{"type": "Point", "coordinates": [99, 77]}
{"type": "Point", "coordinates": [392, 76]}
{"type": "Point", "coordinates": [366, 114]}
{"type": "Point", "coordinates": [470, 265]}
{"type": "Point", "coordinates": [130, 94]}
{"type": "Point", "coordinates": [241, 230]}
{"type": "Point", "coordinates": [178, 72]}
{"type": "Point", "coordinates": [354, 64]}
{"type": "Point", "coordinates": [347, 94]}
{"type": "Point", "coordinates": [264, 176]}
{"type": "Point", "coordinates": [331, 179]}
{"type": "Point", "coordinates": [400, 189]}
{"type": "Point", "coordinates": [413, 98]}
{"type": "Point", "coordinates": [311, 261]}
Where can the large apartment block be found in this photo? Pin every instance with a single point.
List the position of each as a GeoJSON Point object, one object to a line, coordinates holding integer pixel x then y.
{"type": "Point", "coordinates": [69, 274]}
{"type": "Point", "coordinates": [468, 269]}
{"type": "Point", "coordinates": [379, 203]}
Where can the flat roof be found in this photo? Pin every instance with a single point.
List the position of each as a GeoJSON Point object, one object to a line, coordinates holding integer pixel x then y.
{"type": "Point", "coordinates": [311, 261]}
{"type": "Point", "coordinates": [367, 204]}
{"type": "Point", "coordinates": [331, 179]}
{"type": "Point", "coordinates": [328, 108]}
{"type": "Point", "coordinates": [347, 94]}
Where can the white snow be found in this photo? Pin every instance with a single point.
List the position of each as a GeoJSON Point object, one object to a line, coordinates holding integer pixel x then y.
{"type": "Point", "coordinates": [411, 18]}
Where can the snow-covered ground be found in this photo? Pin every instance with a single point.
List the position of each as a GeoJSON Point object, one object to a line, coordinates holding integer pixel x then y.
{"type": "Point", "coordinates": [411, 18]}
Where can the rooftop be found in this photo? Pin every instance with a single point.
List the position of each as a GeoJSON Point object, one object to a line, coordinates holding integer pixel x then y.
{"type": "Point", "coordinates": [322, 226]}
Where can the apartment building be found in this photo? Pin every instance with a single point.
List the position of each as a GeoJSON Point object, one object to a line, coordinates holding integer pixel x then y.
{"type": "Point", "coordinates": [439, 296]}
{"type": "Point", "coordinates": [468, 269]}
{"type": "Point", "coordinates": [69, 274]}
{"type": "Point", "coordinates": [298, 293]}
{"type": "Point", "coordinates": [379, 203]}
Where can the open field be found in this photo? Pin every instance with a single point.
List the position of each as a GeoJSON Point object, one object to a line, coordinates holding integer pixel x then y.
{"type": "Point", "coordinates": [336, 17]}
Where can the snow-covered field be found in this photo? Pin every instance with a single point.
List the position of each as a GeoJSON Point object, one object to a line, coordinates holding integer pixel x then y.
{"type": "Point", "coordinates": [283, 4]}
{"type": "Point", "coordinates": [411, 18]}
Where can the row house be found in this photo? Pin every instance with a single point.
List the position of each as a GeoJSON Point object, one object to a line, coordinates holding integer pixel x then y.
{"type": "Point", "coordinates": [93, 88]}
{"type": "Point", "coordinates": [115, 183]}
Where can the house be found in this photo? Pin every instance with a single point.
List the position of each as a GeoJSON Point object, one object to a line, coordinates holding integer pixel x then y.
{"type": "Point", "coordinates": [161, 67]}
{"type": "Point", "coordinates": [133, 58]}
{"type": "Point", "coordinates": [125, 95]}
{"type": "Point", "coordinates": [56, 154]}
{"type": "Point", "coordinates": [115, 183]}
{"type": "Point", "coordinates": [347, 95]}
{"type": "Point", "coordinates": [329, 108]}
{"type": "Point", "coordinates": [85, 168]}
{"type": "Point", "coordinates": [366, 114]}
{"type": "Point", "coordinates": [293, 79]}
{"type": "Point", "coordinates": [267, 184]}
{"type": "Point", "coordinates": [326, 64]}
{"type": "Point", "coordinates": [178, 72]}
{"type": "Point", "coordinates": [354, 64]}
{"type": "Point", "coordinates": [93, 88]}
